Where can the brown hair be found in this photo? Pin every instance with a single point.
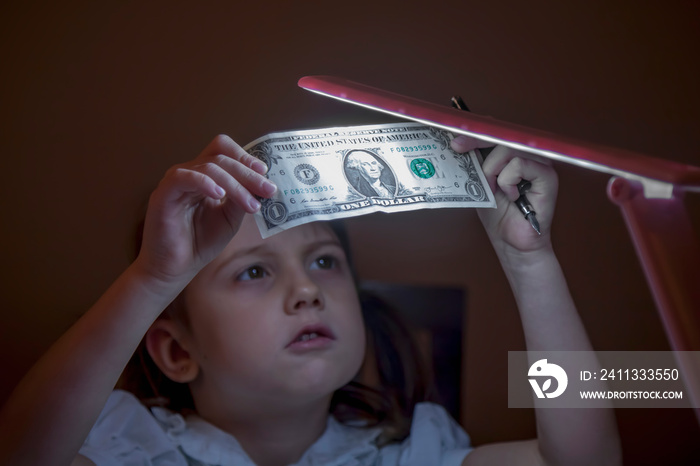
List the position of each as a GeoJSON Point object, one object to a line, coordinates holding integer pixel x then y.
{"type": "Point", "coordinates": [144, 379]}
{"type": "Point", "coordinates": [401, 376]}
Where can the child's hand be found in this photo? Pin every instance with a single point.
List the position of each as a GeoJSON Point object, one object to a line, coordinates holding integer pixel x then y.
{"type": "Point", "coordinates": [504, 169]}
{"type": "Point", "coordinates": [197, 208]}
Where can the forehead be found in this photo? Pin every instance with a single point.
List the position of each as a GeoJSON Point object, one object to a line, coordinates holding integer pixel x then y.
{"type": "Point", "coordinates": [248, 237]}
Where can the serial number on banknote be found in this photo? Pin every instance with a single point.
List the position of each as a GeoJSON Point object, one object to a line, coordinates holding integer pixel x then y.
{"type": "Point", "coordinates": [413, 148]}
{"type": "Point", "coordinates": [315, 189]}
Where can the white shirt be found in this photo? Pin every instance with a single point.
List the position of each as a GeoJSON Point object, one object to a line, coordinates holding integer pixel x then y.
{"type": "Point", "coordinates": [127, 433]}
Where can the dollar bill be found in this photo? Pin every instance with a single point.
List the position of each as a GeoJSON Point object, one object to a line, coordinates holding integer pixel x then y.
{"type": "Point", "coordinates": [333, 173]}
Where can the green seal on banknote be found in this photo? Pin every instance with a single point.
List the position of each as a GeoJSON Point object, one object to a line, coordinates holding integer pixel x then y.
{"type": "Point", "coordinates": [423, 168]}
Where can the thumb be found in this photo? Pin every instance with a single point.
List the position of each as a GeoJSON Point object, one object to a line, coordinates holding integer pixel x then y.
{"type": "Point", "coordinates": [463, 143]}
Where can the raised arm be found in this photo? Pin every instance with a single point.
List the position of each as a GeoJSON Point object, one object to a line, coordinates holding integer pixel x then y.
{"type": "Point", "coordinates": [192, 215]}
{"type": "Point", "coordinates": [549, 317]}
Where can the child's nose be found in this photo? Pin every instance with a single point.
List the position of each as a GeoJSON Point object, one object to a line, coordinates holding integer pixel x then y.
{"type": "Point", "coordinates": [304, 293]}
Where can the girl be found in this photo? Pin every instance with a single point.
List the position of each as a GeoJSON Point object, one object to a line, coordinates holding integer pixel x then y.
{"type": "Point", "coordinates": [264, 332]}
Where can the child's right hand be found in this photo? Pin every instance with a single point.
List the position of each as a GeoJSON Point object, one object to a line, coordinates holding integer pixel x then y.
{"type": "Point", "coordinates": [197, 208]}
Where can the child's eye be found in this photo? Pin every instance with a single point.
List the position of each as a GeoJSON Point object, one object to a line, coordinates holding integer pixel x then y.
{"type": "Point", "coordinates": [252, 273]}
{"type": "Point", "coordinates": [324, 263]}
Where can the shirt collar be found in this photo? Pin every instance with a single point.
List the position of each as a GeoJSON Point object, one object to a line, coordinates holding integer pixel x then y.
{"type": "Point", "coordinates": [206, 443]}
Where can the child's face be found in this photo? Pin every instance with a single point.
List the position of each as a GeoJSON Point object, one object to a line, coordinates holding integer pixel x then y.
{"type": "Point", "coordinates": [275, 318]}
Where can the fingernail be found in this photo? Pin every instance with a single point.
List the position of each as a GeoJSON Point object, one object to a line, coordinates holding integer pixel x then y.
{"type": "Point", "coordinates": [269, 188]}
{"type": "Point", "coordinates": [220, 191]}
{"type": "Point", "coordinates": [461, 139]}
{"type": "Point", "coordinates": [259, 167]}
{"type": "Point", "coordinates": [254, 204]}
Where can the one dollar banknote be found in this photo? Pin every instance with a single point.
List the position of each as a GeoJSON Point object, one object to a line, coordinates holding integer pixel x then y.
{"type": "Point", "coordinates": [333, 173]}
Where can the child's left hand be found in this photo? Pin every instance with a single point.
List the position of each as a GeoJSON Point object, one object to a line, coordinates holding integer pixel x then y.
{"type": "Point", "coordinates": [506, 225]}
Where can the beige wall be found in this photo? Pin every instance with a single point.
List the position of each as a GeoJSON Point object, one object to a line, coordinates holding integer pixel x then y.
{"type": "Point", "coordinates": [97, 99]}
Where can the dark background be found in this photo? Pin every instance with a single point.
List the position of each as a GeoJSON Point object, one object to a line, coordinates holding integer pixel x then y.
{"type": "Point", "coordinates": [98, 99]}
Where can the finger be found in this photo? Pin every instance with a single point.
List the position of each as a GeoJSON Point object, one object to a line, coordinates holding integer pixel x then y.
{"type": "Point", "coordinates": [541, 176]}
{"type": "Point", "coordinates": [239, 182]}
{"type": "Point", "coordinates": [224, 145]}
{"type": "Point", "coordinates": [463, 143]}
{"type": "Point", "coordinates": [181, 180]}
{"type": "Point", "coordinates": [500, 156]}
{"type": "Point", "coordinates": [493, 165]}
{"type": "Point", "coordinates": [521, 166]}
{"type": "Point", "coordinates": [251, 180]}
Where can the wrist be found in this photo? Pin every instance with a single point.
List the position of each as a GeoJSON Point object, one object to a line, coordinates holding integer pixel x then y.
{"type": "Point", "coordinates": [159, 287]}
{"type": "Point", "coordinates": [524, 260]}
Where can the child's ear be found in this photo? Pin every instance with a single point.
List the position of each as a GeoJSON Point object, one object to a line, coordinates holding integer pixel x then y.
{"type": "Point", "coordinates": [164, 347]}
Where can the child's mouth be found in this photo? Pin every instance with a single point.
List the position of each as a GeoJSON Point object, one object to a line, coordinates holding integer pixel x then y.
{"type": "Point", "coordinates": [307, 336]}
{"type": "Point", "coordinates": [316, 336]}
